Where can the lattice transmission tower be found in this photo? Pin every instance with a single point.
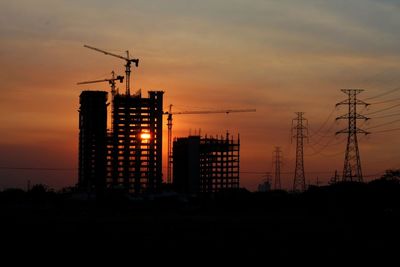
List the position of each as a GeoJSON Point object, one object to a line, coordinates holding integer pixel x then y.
{"type": "Point", "coordinates": [301, 133]}
{"type": "Point", "coordinates": [277, 167]}
{"type": "Point", "coordinates": [352, 163]}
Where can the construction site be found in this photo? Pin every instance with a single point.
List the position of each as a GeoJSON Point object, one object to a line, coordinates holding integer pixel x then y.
{"type": "Point", "coordinates": [199, 201]}
{"type": "Point", "coordinates": [125, 200]}
{"type": "Point", "coordinates": [128, 156]}
{"type": "Point", "coordinates": [210, 132]}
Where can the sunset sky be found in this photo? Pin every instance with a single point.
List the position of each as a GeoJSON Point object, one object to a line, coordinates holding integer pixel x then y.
{"type": "Point", "coordinates": [279, 57]}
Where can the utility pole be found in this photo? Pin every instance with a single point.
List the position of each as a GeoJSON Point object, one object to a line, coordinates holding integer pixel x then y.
{"type": "Point", "coordinates": [334, 179]}
{"type": "Point", "coordinates": [277, 165]}
{"type": "Point", "coordinates": [301, 132]}
{"type": "Point", "coordinates": [352, 163]}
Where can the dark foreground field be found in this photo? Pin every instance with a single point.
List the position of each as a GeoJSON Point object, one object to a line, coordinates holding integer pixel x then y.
{"type": "Point", "coordinates": [356, 221]}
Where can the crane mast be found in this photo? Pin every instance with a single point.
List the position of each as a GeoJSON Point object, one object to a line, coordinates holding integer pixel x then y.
{"type": "Point", "coordinates": [169, 156]}
{"type": "Point", "coordinates": [128, 61]}
{"type": "Point", "coordinates": [169, 124]}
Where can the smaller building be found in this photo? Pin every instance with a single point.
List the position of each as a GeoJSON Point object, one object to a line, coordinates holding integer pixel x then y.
{"type": "Point", "coordinates": [265, 186]}
{"type": "Point", "coordinates": [92, 140]}
{"type": "Point", "coordinates": [205, 165]}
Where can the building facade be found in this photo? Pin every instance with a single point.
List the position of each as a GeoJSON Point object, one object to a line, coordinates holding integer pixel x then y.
{"type": "Point", "coordinates": [205, 165]}
{"type": "Point", "coordinates": [92, 140]}
{"type": "Point", "coordinates": [134, 158]}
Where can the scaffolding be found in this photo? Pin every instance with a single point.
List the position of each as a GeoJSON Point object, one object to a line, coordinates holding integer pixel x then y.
{"type": "Point", "coordinates": [206, 165]}
{"type": "Point", "coordinates": [219, 163]}
{"type": "Point", "coordinates": [135, 143]}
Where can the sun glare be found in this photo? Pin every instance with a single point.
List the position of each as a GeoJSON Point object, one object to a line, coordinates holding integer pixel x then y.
{"type": "Point", "coordinates": [145, 136]}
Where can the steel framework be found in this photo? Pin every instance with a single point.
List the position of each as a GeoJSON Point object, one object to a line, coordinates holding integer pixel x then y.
{"type": "Point", "coordinates": [352, 163]}
{"type": "Point", "coordinates": [301, 133]}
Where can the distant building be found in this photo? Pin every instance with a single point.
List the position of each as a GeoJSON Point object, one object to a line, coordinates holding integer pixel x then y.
{"type": "Point", "coordinates": [92, 140]}
{"type": "Point", "coordinates": [265, 186]}
{"type": "Point", "coordinates": [134, 160]}
{"type": "Point", "coordinates": [205, 165]}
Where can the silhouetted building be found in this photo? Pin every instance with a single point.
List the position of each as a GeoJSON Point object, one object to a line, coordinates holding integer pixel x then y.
{"type": "Point", "coordinates": [206, 164]}
{"type": "Point", "coordinates": [92, 140]}
{"type": "Point", "coordinates": [135, 145]}
{"type": "Point", "coordinates": [265, 186]}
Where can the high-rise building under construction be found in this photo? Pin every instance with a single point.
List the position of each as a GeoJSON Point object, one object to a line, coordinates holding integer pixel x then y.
{"type": "Point", "coordinates": [205, 165]}
{"type": "Point", "coordinates": [134, 144]}
{"type": "Point", "coordinates": [134, 159]}
{"type": "Point", "coordinates": [92, 140]}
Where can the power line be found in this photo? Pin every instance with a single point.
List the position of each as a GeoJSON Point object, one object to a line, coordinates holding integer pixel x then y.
{"type": "Point", "coordinates": [388, 130]}
{"type": "Point", "coordinates": [75, 169]}
{"type": "Point", "coordinates": [37, 169]}
{"type": "Point", "coordinates": [331, 155]}
{"type": "Point", "coordinates": [332, 137]}
{"type": "Point", "coordinates": [383, 94]}
{"type": "Point", "coordinates": [324, 123]}
{"type": "Point", "coordinates": [323, 154]}
{"type": "Point", "coordinates": [386, 101]}
{"type": "Point", "coordinates": [329, 143]}
{"type": "Point", "coordinates": [383, 124]}
{"type": "Point", "coordinates": [382, 109]}
{"type": "Point", "coordinates": [323, 136]}
{"type": "Point", "coordinates": [386, 116]}
{"type": "Point", "coordinates": [311, 172]}
{"type": "Point", "coordinates": [259, 172]}
{"type": "Point", "coordinates": [316, 151]}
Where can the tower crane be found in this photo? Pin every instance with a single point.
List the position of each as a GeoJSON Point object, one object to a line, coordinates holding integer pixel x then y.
{"type": "Point", "coordinates": [169, 124]}
{"type": "Point", "coordinates": [112, 84]}
{"type": "Point", "coordinates": [128, 60]}
{"type": "Point", "coordinates": [110, 81]}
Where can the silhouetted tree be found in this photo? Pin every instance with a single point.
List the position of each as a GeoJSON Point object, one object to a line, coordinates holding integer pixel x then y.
{"type": "Point", "coordinates": [41, 194]}
{"type": "Point", "coordinates": [391, 175]}
{"type": "Point", "coordinates": [39, 189]}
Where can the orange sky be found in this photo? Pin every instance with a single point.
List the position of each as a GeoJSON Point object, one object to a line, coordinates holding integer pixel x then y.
{"type": "Point", "coordinates": [278, 57]}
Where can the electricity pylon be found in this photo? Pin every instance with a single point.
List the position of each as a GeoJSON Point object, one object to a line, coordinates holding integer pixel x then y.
{"type": "Point", "coordinates": [352, 163]}
{"type": "Point", "coordinates": [301, 128]}
{"type": "Point", "coordinates": [277, 169]}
